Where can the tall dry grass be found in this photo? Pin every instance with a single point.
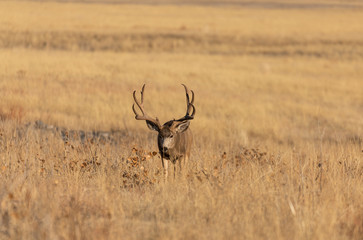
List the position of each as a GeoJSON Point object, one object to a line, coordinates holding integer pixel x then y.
{"type": "Point", "coordinates": [278, 129]}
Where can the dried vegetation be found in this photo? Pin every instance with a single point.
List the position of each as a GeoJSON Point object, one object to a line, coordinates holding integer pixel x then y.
{"type": "Point", "coordinates": [278, 150]}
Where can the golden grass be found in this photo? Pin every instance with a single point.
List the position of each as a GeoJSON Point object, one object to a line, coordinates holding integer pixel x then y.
{"type": "Point", "coordinates": [278, 128]}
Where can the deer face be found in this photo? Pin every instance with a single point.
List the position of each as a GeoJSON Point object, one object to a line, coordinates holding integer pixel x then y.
{"type": "Point", "coordinates": [169, 136]}
{"type": "Point", "coordinates": [166, 138]}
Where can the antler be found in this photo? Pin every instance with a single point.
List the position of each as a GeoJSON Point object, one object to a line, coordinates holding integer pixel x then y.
{"type": "Point", "coordinates": [141, 107]}
{"type": "Point", "coordinates": [190, 105]}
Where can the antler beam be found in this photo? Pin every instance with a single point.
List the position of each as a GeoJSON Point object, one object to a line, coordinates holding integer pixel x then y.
{"type": "Point", "coordinates": [190, 105]}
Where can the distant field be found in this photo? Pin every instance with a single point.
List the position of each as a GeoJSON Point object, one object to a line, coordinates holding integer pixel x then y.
{"type": "Point", "coordinates": [278, 150]}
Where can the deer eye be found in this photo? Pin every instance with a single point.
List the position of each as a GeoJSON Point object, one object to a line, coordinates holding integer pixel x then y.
{"type": "Point", "coordinates": [171, 136]}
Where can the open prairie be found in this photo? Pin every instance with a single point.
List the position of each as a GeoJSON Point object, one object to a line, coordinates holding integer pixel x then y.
{"type": "Point", "coordinates": [278, 130]}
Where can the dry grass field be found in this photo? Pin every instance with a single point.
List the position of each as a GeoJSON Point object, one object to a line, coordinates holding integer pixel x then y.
{"type": "Point", "coordinates": [278, 150]}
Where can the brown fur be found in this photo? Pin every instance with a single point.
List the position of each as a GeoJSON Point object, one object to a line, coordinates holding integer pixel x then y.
{"type": "Point", "coordinates": [175, 138]}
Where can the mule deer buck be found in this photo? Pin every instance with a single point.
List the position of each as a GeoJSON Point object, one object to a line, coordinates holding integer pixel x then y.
{"type": "Point", "coordinates": [174, 138]}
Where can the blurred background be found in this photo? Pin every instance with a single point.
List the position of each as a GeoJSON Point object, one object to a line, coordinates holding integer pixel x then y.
{"type": "Point", "coordinates": [275, 70]}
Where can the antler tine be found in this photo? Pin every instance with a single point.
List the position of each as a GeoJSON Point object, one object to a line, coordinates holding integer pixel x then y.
{"type": "Point", "coordinates": [138, 104]}
{"type": "Point", "coordinates": [192, 97]}
{"type": "Point", "coordinates": [142, 93]}
{"type": "Point", "coordinates": [186, 93]}
{"type": "Point", "coordinates": [188, 98]}
{"type": "Point", "coordinates": [141, 107]}
{"type": "Point", "coordinates": [190, 105]}
{"type": "Point", "coordinates": [137, 116]}
{"type": "Point", "coordinates": [192, 115]}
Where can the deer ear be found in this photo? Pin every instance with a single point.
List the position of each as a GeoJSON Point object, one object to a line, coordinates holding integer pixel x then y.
{"type": "Point", "coordinates": [182, 126]}
{"type": "Point", "coordinates": [152, 126]}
